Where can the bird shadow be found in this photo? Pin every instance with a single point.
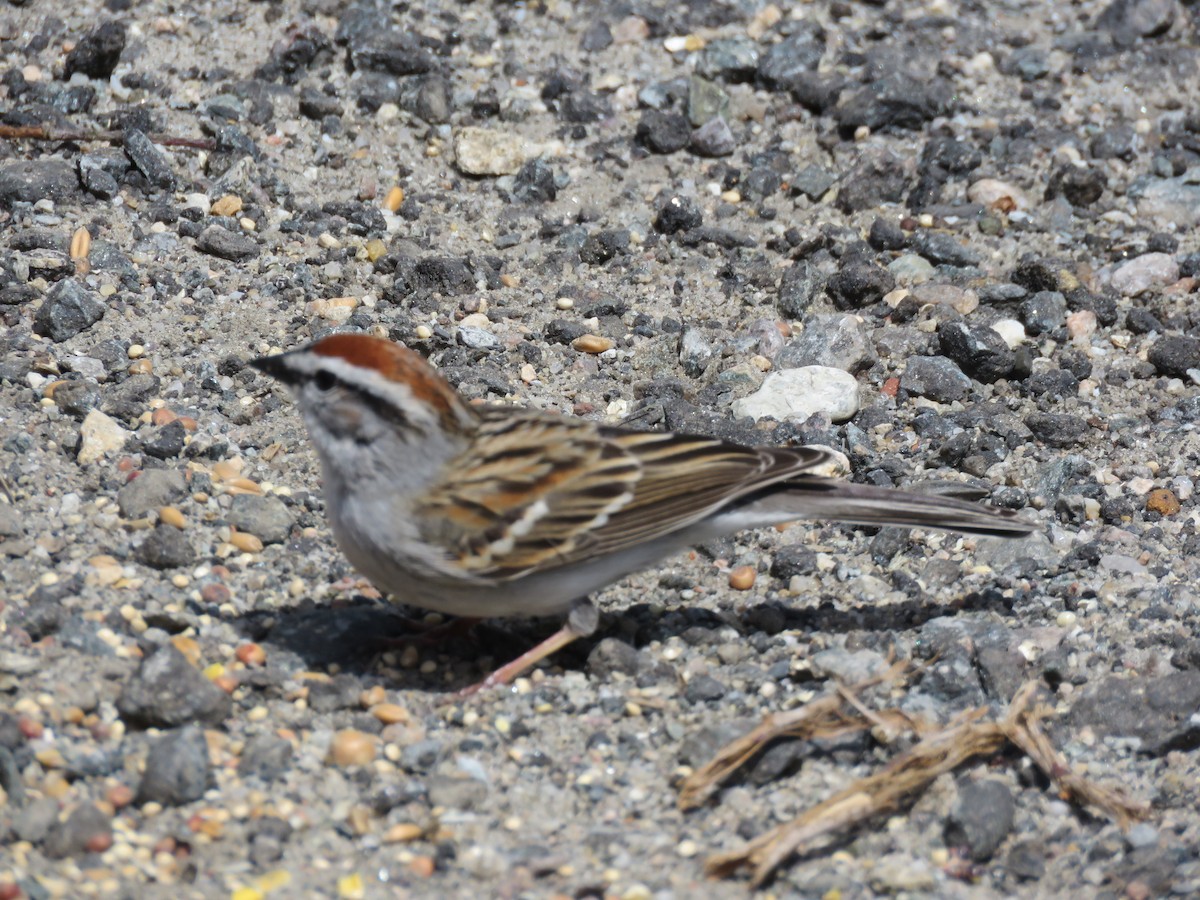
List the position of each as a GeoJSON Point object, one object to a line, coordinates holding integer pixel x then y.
{"type": "Point", "coordinates": [351, 636]}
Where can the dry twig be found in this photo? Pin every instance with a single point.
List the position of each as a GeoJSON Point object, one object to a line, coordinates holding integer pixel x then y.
{"type": "Point", "coordinates": [936, 753]}
{"type": "Point", "coordinates": [42, 133]}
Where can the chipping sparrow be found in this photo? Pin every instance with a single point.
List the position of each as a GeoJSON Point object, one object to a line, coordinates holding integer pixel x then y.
{"type": "Point", "coordinates": [498, 511]}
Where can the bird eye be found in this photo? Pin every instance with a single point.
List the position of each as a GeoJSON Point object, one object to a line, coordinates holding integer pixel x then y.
{"type": "Point", "coordinates": [325, 381]}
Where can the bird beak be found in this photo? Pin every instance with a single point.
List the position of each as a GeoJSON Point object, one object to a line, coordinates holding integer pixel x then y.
{"type": "Point", "coordinates": [276, 366]}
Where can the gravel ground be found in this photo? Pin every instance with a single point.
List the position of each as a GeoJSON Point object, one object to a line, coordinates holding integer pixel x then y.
{"type": "Point", "coordinates": [967, 228]}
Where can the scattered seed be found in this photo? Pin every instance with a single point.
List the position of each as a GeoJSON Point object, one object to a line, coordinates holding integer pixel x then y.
{"type": "Point", "coordinates": [592, 343]}
{"type": "Point", "coordinates": [742, 578]}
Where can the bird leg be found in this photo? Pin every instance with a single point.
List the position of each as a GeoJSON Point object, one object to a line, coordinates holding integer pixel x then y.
{"type": "Point", "coordinates": [581, 622]}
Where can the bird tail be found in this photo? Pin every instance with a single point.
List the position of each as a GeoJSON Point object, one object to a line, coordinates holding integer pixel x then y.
{"type": "Point", "coordinates": [816, 497]}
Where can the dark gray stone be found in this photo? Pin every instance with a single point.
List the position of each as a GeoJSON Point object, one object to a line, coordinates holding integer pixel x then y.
{"type": "Point", "coordinates": [151, 490]}
{"type": "Point", "coordinates": [534, 182]}
{"type": "Point", "coordinates": [796, 54]}
{"type": "Point", "coordinates": [166, 548]}
{"type": "Point", "coordinates": [713, 139]}
{"type": "Point", "coordinates": [834, 340]}
{"type": "Point", "coordinates": [77, 398]}
{"type": "Point", "coordinates": [878, 177]}
{"type": "Point", "coordinates": [167, 691]}
{"type": "Point", "coordinates": [73, 837]}
{"type": "Point", "coordinates": [266, 517]}
{"type": "Point", "coordinates": [148, 159]}
{"type": "Point", "coordinates": [730, 59]}
{"type": "Point", "coordinates": [612, 655]}
{"type": "Point", "coordinates": [1043, 312]}
{"type": "Point", "coordinates": [943, 249]}
{"type": "Point", "coordinates": [897, 100]}
{"type": "Point", "coordinates": [165, 442]}
{"type": "Point", "coordinates": [981, 819]}
{"type": "Point", "coordinates": [1057, 429]}
{"type": "Point", "coordinates": [935, 377]}
{"type": "Point", "coordinates": [1174, 355]}
{"type": "Point", "coordinates": [800, 287]}
{"type": "Point", "coordinates": [69, 308]}
{"type": "Point", "coordinates": [28, 181]}
{"type": "Point", "coordinates": [1152, 710]}
{"type": "Point", "coordinates": [266, 756]}
{"type": "Point", "coordinates": [216, 241]}
{"type": "Point", "coordinates": [703, 688]}
{"type": "Point", "coordinates": [177, 768]}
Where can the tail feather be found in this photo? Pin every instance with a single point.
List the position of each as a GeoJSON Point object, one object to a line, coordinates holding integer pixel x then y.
{"type": "Point", "coordinates": [816, 497]}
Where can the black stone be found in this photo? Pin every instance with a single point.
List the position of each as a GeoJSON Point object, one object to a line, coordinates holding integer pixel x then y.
{"type": "Point", "coordinates": [885, 235]}
{"type": "Point", "coordinates": [602, 246]}
{"type": "Point", "coordinates": [663, 132]}
{"type": "Point", "coordinates": [859, 283]}
{"type": "Point", "coordinates": [897, 100]}
{"type": "Point", "coordinates": [97, 53]}
{"type": "Point", "coordinates": [69, 308]}
{"type": "Point", "coordinates": [1081, 187]}
{"type": "Point", "coordinates": [1174, 355]}
{"type": "Point", "coordinates": [677, 213]}
{"type": "Point", "coordinates": [979, 352]}
{"type": "Point", "coordinates": [794, 559]}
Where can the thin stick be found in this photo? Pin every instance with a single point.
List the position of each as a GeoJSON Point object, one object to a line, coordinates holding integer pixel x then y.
{"type": "Point", "coordinates": [42, 133]}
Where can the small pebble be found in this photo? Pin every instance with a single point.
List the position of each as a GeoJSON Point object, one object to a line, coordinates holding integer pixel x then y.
{"type": "Point", "coordinates": [352, 748]}
{"type": "Point", "coordinates": [742, 578]}
{"type": "Point", "coordinates": [592, 343]}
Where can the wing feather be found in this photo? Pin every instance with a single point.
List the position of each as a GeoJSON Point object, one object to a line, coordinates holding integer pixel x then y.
{"type": "Point", "coordinates": [535, 491]}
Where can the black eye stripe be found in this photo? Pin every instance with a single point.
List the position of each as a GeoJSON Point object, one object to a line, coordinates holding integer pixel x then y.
{"type": "Point", "coordinates": [327, 381]}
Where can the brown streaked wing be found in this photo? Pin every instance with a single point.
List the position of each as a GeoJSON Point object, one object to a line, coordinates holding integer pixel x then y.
{"type": "Point", "coordinates": [525, 493]}
{"type": "Point", "coordinates": [685, 478]}
{"type": "Point", "coordinates": [536, 492]}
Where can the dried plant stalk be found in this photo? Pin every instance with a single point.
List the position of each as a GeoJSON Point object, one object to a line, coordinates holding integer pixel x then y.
{"type": "Point", "coordinates": [937, 753]}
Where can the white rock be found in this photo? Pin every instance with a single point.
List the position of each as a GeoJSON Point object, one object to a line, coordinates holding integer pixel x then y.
{"type": "Point", "coordinates": [1011, 330]}
{"type": "Point", "coordinates": [481, 151]}
{"type": "Point", "coordinates": [1001, 195]}
{"type": "Point", "coordinates": [100, 435]}
{"type": "Point", "coordinates": [797, 394]}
